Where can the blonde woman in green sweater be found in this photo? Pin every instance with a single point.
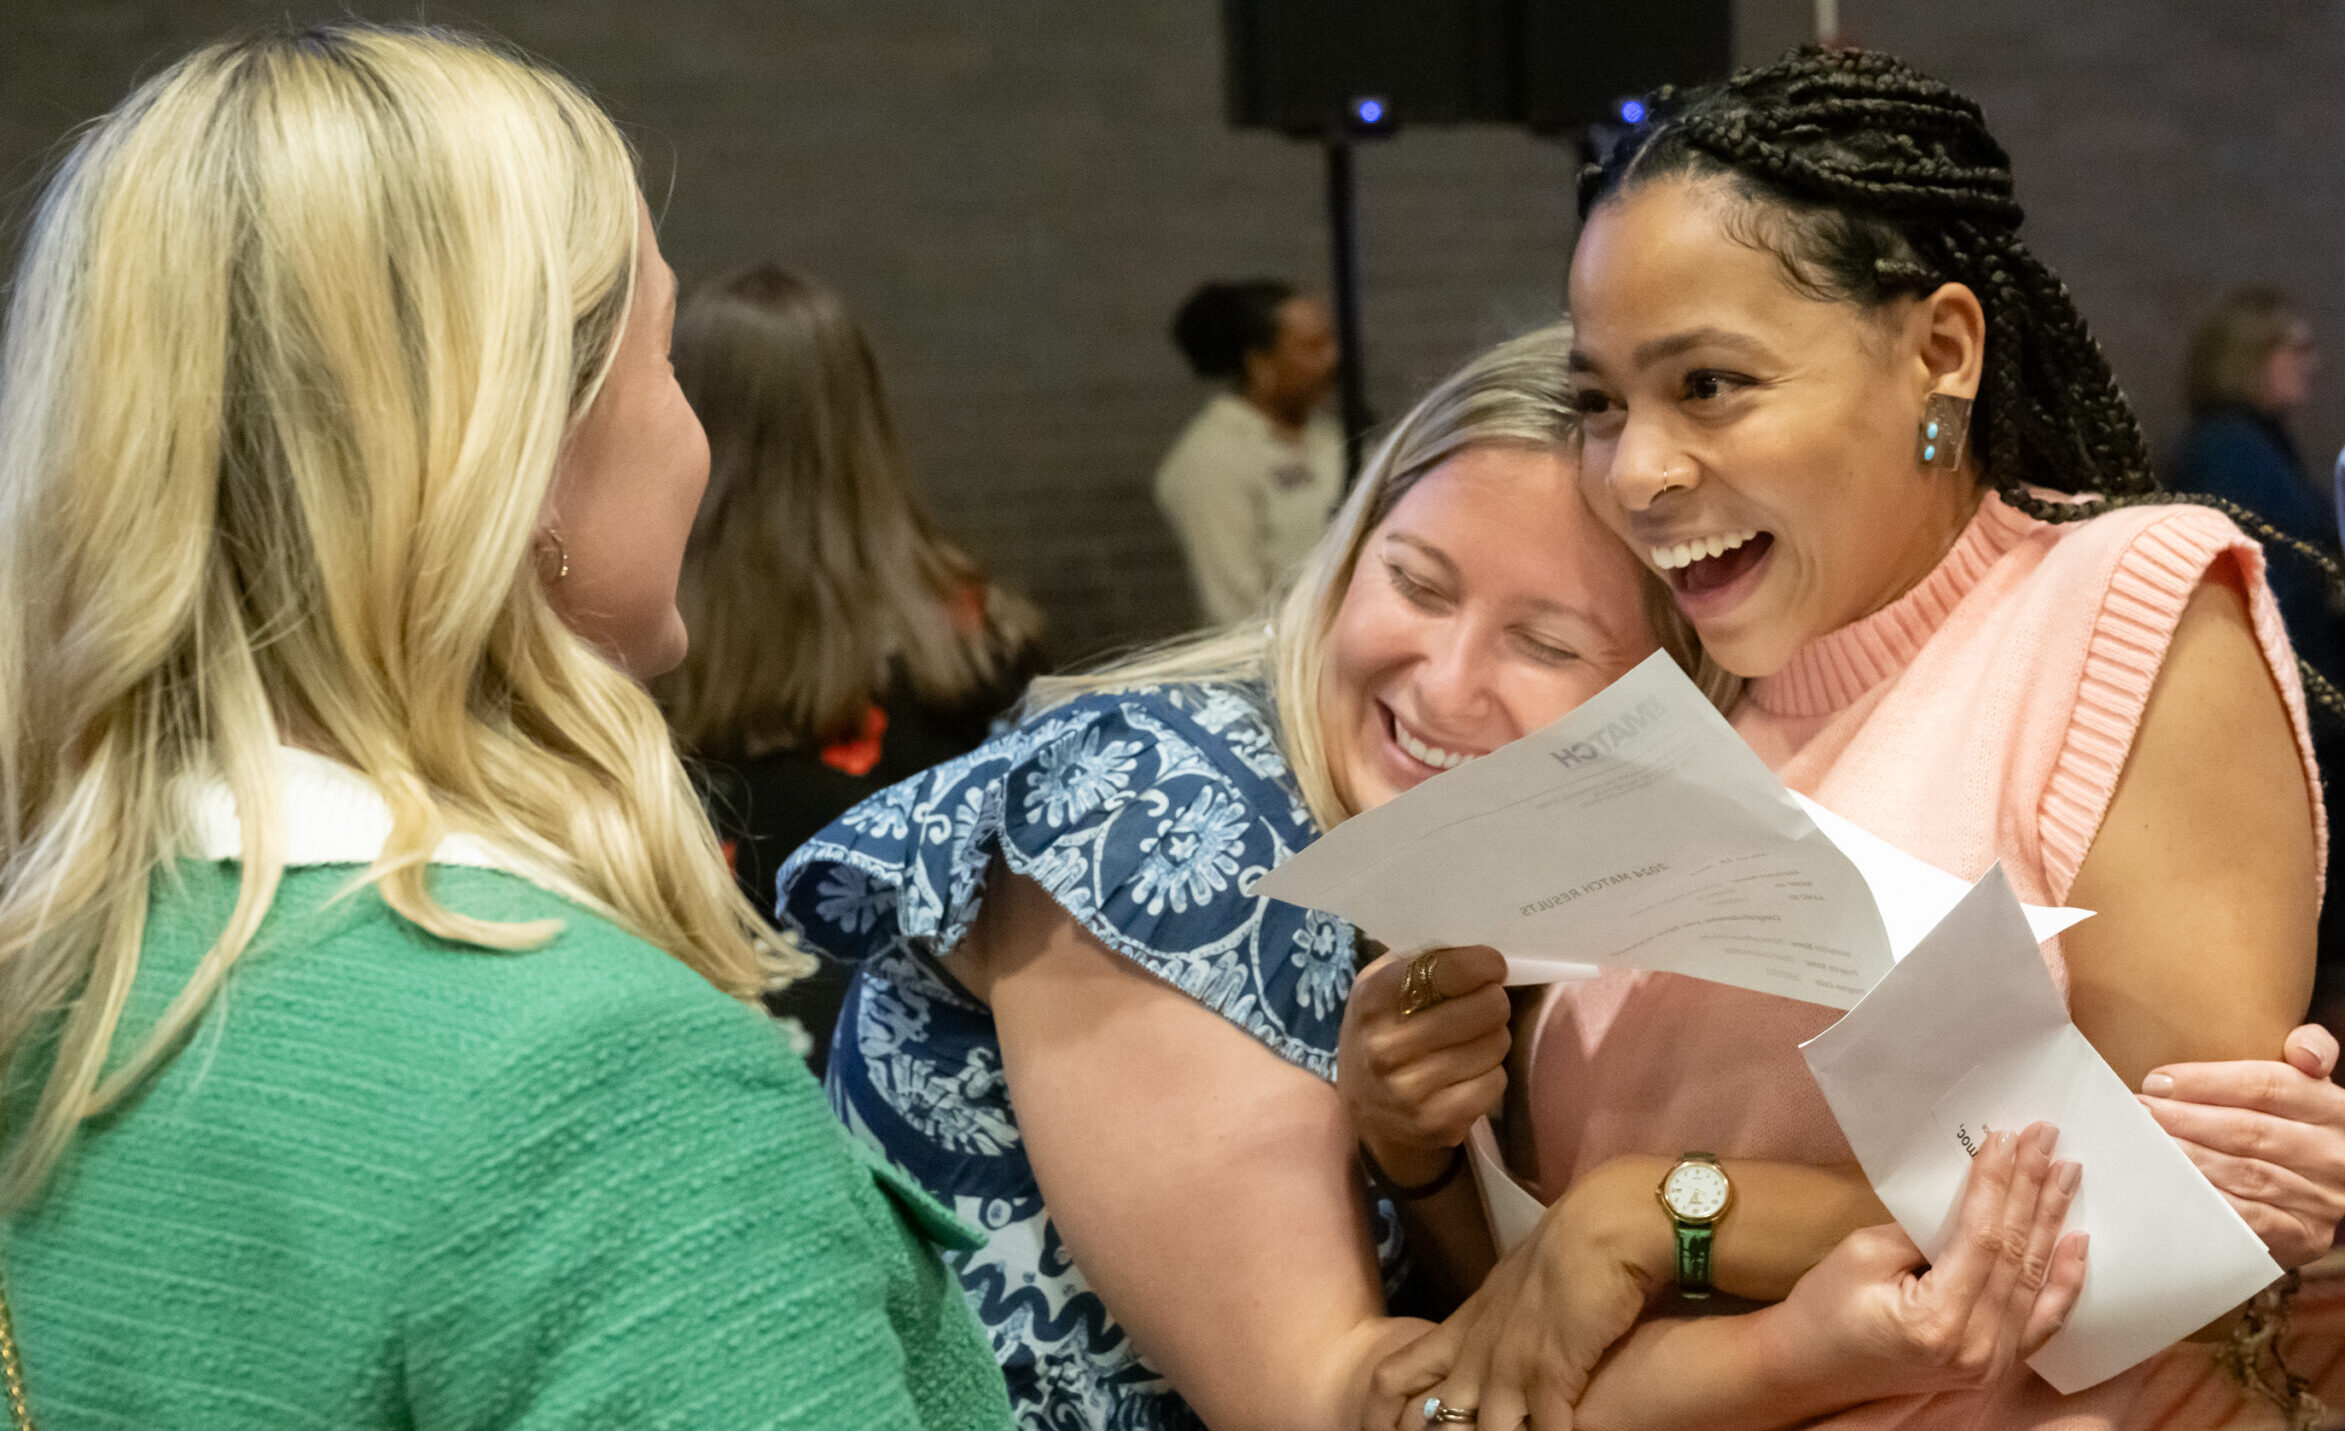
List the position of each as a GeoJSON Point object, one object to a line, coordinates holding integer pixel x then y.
{"type": "Point", "coordinates": [373, 998]}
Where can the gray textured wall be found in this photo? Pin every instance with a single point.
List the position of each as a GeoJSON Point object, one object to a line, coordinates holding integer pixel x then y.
{"type": "Point", "coordinates": [1016, 193]}
{"type": "Point", "coordinates": [2165, 150]}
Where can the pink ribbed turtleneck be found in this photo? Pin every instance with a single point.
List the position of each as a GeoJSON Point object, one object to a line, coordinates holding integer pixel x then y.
{"type": "Point", "coordinates": [1984, 715]}
{"type": "Point", "coordinates": [1830, 672]}
{"type": "Point", "coordinates": [1987, 713]}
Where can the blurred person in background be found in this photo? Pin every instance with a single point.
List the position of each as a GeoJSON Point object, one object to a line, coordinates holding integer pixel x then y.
{"type": "Point", "coordinates": [380, 1019]}
{"type": "Point", "coordinates": [839, 642]}
{"type": "Point", "coordinates": [2250, 372]}
{"type": "Point", "coordinates": [1255, 475]}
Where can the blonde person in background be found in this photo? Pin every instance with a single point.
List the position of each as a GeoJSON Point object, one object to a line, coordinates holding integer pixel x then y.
{"type": "Point", "coordinates": [378, 1013]}
{"type": "Point", "coordinates": [1255, 475]}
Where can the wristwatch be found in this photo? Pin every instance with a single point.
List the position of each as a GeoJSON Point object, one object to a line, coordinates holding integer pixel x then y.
{"type": "Point", "coordinates": [1696, 1194]}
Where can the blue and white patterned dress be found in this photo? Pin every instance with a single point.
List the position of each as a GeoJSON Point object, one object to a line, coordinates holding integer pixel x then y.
{"type": "Point", "coordinates": [1148, 814]}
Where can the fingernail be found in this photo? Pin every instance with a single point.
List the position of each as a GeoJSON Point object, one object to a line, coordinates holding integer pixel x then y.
{"type": "Point", "coordinates": [2084, 1243]}
{"type": "Point", "coordinates": [2158, 1085]}
{"type": "Point", "coordinates": [2070, 1175]}
{"type": "Point", "coordinates": [2046, 1136]}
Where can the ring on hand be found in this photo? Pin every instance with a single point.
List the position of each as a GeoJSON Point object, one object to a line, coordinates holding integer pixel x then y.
{"type": "Point", "coordinates": [1416, 990]}
{"type": "Point", "coordinates": [1439, 1413]}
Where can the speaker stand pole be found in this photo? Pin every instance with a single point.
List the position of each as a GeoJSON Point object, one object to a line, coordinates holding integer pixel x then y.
{"type": "Point", "coordinates": [1344, 269]}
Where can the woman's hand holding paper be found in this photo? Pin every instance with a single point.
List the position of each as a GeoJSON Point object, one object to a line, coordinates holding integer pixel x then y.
{"type": "Point", "coordinates": [1414, 1082]}
{"type": "Point", "coordinates": [2270, 1135]}
{"type": "Point", "coordinates": [1871, 1320]}
{"type": "Point", "coordinates": [1886, 1321]}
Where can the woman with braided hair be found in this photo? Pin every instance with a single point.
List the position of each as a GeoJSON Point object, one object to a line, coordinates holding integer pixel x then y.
{"type": "Point", "coordinates": [1831, 398]}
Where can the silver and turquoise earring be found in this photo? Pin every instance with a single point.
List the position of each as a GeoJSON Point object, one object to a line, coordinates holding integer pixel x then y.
{"type": "Point", "coordinates": [1945, 427]}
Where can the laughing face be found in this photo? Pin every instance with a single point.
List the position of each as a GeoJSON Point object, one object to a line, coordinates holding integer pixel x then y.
{"type": "Point", "coordinates": [1489, 603]}
{"type": "Point", "coordinates": [1753, 443]}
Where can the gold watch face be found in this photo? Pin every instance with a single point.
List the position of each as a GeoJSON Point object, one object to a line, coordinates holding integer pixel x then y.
{"type": "Point", "coordinates": [1695, 1192]}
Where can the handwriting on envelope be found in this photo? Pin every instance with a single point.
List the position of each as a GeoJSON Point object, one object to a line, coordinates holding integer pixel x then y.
{"type": "Point", "coordinates": [1968, 1033]}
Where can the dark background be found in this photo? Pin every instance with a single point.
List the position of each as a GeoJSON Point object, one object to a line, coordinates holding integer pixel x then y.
{"type": "Point", "coordinates": [1015, 194]}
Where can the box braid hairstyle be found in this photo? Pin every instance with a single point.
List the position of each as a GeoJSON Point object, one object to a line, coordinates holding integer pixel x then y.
{"type": "Point", "coordinates": [1868, 180]}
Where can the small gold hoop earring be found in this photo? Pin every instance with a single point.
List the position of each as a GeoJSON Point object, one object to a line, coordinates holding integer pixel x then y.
{"type": "Point", "coordinates": [561, 556]}
{"type": "Point", "coordinates": [1943, 432]}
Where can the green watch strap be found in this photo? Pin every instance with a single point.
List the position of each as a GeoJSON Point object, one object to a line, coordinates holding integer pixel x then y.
{"type": "Point", "coordinates": [1693, 1260]}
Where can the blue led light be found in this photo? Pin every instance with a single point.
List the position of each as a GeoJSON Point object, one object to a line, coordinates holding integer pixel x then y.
{"type": "Point", "coordinates": [1632, 111]}
{"type": "Point", "coordinates": [1371, 111]}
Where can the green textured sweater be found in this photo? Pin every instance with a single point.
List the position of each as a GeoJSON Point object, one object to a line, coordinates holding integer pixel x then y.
{"type": "Point", "coordinates": [393, 1182]}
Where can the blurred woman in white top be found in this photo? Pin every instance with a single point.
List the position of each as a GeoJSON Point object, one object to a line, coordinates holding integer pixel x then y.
{"type": "Point", "coordinates": [1254, 477]}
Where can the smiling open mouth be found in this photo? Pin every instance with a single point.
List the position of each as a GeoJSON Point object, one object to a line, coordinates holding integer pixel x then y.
{"type": "Point", "coordinates": [1421, 751]}
{"type": "Point", "coordinates": [1695, 567]}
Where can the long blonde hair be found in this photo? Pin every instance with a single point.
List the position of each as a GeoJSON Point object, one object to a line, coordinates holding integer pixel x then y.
{"type": "Point", "coordinates": [298, 334]}
{"type": "Point", "coordinates": [815, 576]}
{"type": "Point", "coordinates": [1517, 394]}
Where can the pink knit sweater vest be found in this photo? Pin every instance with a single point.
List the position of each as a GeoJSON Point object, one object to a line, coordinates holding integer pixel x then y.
{"type": "Point", "coordinates": [1985, 715]}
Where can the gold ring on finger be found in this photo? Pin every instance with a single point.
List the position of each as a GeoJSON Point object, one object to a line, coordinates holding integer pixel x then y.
{"type": "Point", "coordinates": [1416, 990]}
{"type": "Point", "coordinates": [1440, 1413]}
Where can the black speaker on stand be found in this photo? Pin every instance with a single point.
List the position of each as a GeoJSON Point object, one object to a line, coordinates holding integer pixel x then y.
{"type": "Point", "coordinates": [1344, 71]}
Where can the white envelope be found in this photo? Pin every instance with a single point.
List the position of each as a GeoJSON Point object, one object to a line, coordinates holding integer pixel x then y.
{"type": "Point", "coordinates": [1510, 1208]}
{"type": "Point", "coordinates": [1911, 893]}
{"type": "Point", "coordinates": [1968, 1033]}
